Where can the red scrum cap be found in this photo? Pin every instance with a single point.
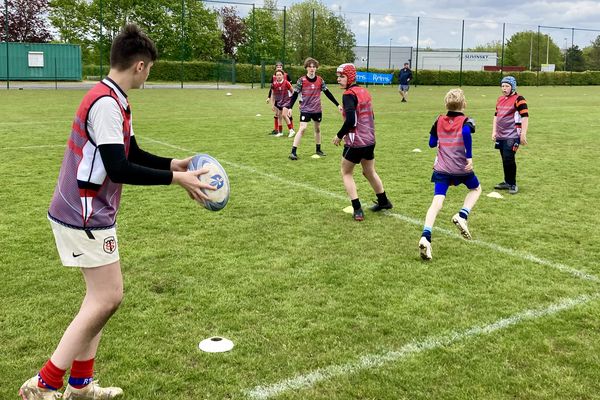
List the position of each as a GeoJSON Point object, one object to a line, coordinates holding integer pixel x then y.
{"type": "Point", "coordinates": [349, 71]}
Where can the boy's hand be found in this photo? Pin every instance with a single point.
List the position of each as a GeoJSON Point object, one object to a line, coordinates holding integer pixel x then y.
{"type": "Point", "coordinates": [469, 166]}
{"type": "Point", "coordinates": [289, 113]}
{"type": "Point", "coordinates": [494, 136]}
{"type": "Point", "coordinates": [523, 139]}
{"type": "Point", "coordinates": [336, 140]}
{"type": "Point", "coordinates": [340, 108]}
{"type": "Point", "coordinates": [190, 182]}
{"type": "Point", "coordinates": [268, 99]}
{"type": "Point", "coordinates": [180, 165]}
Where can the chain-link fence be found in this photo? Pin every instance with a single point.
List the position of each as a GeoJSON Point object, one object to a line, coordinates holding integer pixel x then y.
{"type": "Point", "coordinates": [227, 42]}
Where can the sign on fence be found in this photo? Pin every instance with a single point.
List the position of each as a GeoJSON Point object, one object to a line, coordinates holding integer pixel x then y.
{"type": "Point", "coordinates": [371, 77]}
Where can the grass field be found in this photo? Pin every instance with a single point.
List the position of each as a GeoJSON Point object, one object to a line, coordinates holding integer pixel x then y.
{"type": "Point", "coordinates": [319, 306]}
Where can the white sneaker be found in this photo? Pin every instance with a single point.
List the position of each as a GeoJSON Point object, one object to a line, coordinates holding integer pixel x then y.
{"type": "Point", "coordinates": [461, 224]}
{"type": "Point", "coordinates": [425, 248]}
{"type": "Point", "coordinates": [292, 133]}
{"type": "Point", "coordinates": [279, 134]}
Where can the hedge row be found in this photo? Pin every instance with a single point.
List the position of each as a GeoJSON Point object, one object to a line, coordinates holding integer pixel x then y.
{"type": "Point", "coordinates": [246, 73]}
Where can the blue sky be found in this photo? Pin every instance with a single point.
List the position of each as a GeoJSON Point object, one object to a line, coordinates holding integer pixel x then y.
{"type": "Point", "coordinates": [395, 22]}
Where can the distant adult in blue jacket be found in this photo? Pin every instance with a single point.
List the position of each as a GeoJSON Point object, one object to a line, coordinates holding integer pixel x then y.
{"type": "Point", "coordinates": [405, 76]}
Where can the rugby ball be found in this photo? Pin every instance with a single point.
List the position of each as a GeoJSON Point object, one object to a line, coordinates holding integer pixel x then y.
{"type": "Point", "coordinates": [216, 176]}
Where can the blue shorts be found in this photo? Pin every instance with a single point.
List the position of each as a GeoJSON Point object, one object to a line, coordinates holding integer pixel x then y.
{"type": "Point", "coordinates": [444, 181]}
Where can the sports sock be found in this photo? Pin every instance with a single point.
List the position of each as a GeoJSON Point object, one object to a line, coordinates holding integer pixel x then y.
{"type": "Point", "coordinates": [82, 373]}
{"type": "Point", "coordinates": [290, 125]}
{"type": "Point", "coordinates": [275, 123]}
{"type": "Point", "coordinates": [50, 376]}
{"type": "Point", "coordinates": [356, 204]}
{"type": "Point", "coordinates": [382, 198]}
{"type": "Point", "coordinates": [318, 147]}
{"type": "Point", "coordinates": [464, 212]}
{"type": "Point", "coordinates": [292, 121]}
{"type": "Point", "coordinates": [294, 150]}
{"type": "Point", "coordinates": [427, 233]}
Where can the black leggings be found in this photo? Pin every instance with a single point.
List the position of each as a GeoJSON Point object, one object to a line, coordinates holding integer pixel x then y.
{"type": "Point", "coordinates": [509, 164]}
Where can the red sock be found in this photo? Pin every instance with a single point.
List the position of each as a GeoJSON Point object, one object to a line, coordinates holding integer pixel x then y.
{"type": "Point", "coordinates": [290, 125]}
{"type": "Point", "coordinates": [51, 377]}
{"type": "Point", "coordinates": [82, 373]}
{"type": "Point", "coordinates": [276, 123]}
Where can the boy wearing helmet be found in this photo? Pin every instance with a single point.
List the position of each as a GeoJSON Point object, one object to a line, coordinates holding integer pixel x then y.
{"type": "Point", "coordinates": [509, 130]}
{"type": "Point", "coordinates": [358, 133]}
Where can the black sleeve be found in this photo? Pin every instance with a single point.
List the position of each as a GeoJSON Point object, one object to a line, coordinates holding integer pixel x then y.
{"type": "Point", "coordinates": [121, 170]}
{"type": "Point", "coordinates": [145, 159]}
{"type": "Point", "coordinates": [270, 91]}
{"type": "Point", "coordinates": [331, 97]}
{"type": "Point", "coordinates": [293, 100]}
{"type": "Point", "coordinates": [350, 102]}
{"type": "Point", "coordinates": [433, 131]}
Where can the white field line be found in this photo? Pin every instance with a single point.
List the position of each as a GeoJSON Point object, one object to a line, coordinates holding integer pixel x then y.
{"type": "Point", "coordinates": [370, 361]}
{"type": "Point", "coordinates": [41, 146]}
{"type": "Point", "coordinates": [513, 253]}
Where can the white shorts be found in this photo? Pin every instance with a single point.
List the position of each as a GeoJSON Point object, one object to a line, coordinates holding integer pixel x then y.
{"type": "Point", "coordinates": [85, 249]}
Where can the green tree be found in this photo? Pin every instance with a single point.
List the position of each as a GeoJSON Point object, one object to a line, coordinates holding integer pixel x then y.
{"type": "Point", "coordinates": [95, 23]}
{"type": "Point", "coordinates": [264, 35]}
{"type": "Point", "coordinates": [522, 49]}
{"type": "Point", "coordinates": [331, 42]}
{"type": "Point", "coordinates": [574, 59]}
{"type": "Point", "coordinates": [592, 55]}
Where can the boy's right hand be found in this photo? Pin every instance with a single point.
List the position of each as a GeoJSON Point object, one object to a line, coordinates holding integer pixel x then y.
{"type": "Point", "coordinates": [189, 180]}
{"type": "Point", "coordinates": [469, 166]}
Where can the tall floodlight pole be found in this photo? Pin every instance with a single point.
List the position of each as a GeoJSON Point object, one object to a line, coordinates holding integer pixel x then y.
{"type": "Point", "coordinates": [547, 49]}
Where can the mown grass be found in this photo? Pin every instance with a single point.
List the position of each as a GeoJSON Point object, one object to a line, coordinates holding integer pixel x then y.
{"type": "Point", "coordinates": [290, 278]}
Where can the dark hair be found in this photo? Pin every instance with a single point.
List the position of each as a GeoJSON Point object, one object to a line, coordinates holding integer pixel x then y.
{"type": "Point", "coordinates": [130, 46]}
{"type": "Point", "coordinates": [310, 61]}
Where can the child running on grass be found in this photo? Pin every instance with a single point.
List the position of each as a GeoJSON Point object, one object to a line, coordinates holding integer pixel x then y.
{"type": "Point", "coordinates": [451, 133]}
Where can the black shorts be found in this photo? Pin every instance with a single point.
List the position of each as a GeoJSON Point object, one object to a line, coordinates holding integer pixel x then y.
{"type": "Point", "coordinates": [356, 154]}
{"type": "Point", "coordinates": [306, 117]}
{"type": "Point", "coordinates": [280, 106]}
{"type": "Point", "coordinates": [505, 145]}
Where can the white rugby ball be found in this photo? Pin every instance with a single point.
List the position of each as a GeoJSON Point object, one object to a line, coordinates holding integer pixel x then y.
{"type": "Point", "coordinates": [216, 176]}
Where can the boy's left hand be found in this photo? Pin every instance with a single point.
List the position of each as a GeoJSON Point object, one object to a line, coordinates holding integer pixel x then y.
{"type": "Point", "coordinates": [523, 139]}
{"type": "Point", "coordinates": [180, 165]}
{"type": "Point", "coordinates": [340, 108]}
{"type": "Point", "coordinates": [336, 140]}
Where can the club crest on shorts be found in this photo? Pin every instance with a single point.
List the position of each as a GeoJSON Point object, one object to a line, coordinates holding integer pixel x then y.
{"type": "Point", "coordinates": [110, 245]}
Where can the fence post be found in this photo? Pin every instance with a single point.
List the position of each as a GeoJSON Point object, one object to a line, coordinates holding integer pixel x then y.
{"type": "Point", "coordinates": [253, 35]}
{"type": "Point", "coordinates": [368, 46]}
{"type": "Point", "coordinates": [284, 33]}
{"type": "Point", "coordinates": [6, 36]}
{"type": "Point", "coordinates": [182, 47]}
{"type": "Point", "coordinates": [312, 35]}
{"type": "Point", "coordinates": [537, 75]}
{"type": "Point", "coordinates": [101, 35]}
{"type": "Point", "coordinates": [462, 44]}
{"type": "Point", "coordinates": [233, 78]}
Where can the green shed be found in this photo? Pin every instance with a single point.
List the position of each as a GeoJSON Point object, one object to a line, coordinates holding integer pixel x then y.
{"type": "Point", "coordinates": [40, 62]}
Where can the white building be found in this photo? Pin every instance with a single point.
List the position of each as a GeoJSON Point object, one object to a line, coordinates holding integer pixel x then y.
{"type": "Point", "coordinates": [394, 57]}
